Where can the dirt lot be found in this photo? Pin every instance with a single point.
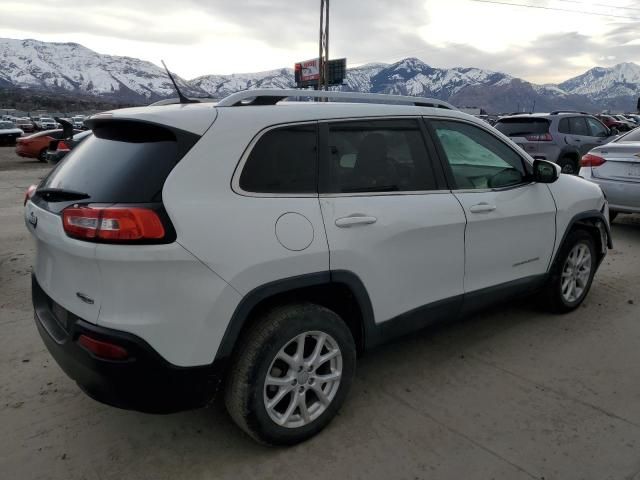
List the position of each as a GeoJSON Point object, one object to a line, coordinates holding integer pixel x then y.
{"type": "Point", "coordinates": [512, 393]}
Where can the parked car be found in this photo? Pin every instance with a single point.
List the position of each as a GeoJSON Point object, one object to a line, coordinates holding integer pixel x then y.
{"type": "Point", "coordinates": [256, 249]}
{"type": "Point", "coordinates": [26, 125]}
{"type": "Point", "coordinates": [559, 137]}
{"type": "Point", "coordinates": [633, 118]}
{"type": "Point", "coordinates": [9, 133]}
{"type": "Point", "coordinates": [615, 167]}
{"type": "Point", "coordinates": [58, 149]}
{"type": "Point", "coordinates": [629, 123]}
{"type": "Point", "coordinates": [36, 145]}
{"type": "Point", "coordinates": [612, 122]}
{"type": "Point", "coordinates": [47, 123]}
{"type": "Point", "coordinates": [78, 122]}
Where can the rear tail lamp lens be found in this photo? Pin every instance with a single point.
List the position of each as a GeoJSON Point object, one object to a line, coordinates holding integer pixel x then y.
{"type": "Point", "coordinates": [112, 224]}
{"type": "Point", "coordinates": [29, 193]}
{"type": "Point", "coordinates": [101, 349]}
{"type": "Point", "coordinates": [541, 137]}
{"type": "Point", "coordinates": [63, 147]}
{"type": "Point", "coordinates": [590, 160]}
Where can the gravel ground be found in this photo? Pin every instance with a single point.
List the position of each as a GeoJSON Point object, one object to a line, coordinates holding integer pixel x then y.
{"type": "Point", "coordinates": [508, 394]}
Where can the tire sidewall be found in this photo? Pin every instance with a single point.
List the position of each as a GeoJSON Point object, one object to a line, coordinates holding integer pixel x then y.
{"type": "Point", "coordinates": [574, 238]}
{"type": "Point", "coordinates": [569, 161]}
{"type": "Point", "coordinates": [299, 320]}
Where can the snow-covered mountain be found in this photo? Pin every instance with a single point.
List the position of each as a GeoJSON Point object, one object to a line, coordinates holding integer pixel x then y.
{"type": "Point", "coordinates": [73, 69]}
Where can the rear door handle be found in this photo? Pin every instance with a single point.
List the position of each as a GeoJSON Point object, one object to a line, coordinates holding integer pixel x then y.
{"type": "Point", "coordinates": [482, 208]}
{"type": "Point", "coordinates": [345, 222]}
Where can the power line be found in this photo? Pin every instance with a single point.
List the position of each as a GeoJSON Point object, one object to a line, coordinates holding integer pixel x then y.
{"type": "Point", "coordinates": [557, 9]}
{"type": "Point", "coordinates": [539, 7]}
{"type": "Point", "coordinates": [603, 5]}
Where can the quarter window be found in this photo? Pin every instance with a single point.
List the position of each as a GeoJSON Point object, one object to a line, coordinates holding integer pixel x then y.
{"type": "Point", "coordinates": [478, 160]}
{"type": "Point", "coordinates": [563, 127]}
{"type": "Point", "coordinates": [284, 160]}
{"type": "Point", "coordinates": [378, 156]}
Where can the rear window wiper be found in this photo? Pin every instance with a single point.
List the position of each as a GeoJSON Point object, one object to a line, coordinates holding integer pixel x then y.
{"type": "Point", "coordinates": [60, 194]}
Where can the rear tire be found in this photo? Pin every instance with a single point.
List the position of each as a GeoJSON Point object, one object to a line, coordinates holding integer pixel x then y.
{"type": "Point", "coordinates": [569, 165]}
{"type": "Point", "coordinates": [291, 373]}
{"type": "Point", "coordinates": [572, 273]}
{"type": "Point", "coordinates": [42, 156]}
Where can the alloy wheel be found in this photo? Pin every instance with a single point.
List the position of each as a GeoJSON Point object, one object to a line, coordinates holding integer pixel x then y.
{"type": "Point", "coordinates": [576, 273]}
{"type": "Point", "coordinates": [303, 379]}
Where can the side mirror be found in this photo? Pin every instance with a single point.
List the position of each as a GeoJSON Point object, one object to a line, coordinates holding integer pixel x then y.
{"type": "Point", "coordinates": [615, 131]}
{"type": "Point", "coordinates": [545, 172]}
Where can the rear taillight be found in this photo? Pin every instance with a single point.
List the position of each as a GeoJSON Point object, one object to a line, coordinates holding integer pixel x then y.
{"type": "Point", "coordinates": [103, 349]}
{"type": "Point", "coordinates": [63, 147]}
{"type": "Point", "coordinates": [540, 137]}
{"type": "Point", "coordinates": [590, 160]}
{"type": "Point", "coordinates": [29, 193]}
{"type": "Point", "coordinates": [112, 224]}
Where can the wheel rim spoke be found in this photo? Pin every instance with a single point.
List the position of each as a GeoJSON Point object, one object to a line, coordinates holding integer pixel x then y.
{"type": "Point", "coordinates": [279, 396]}
{"type": "Point", "coordinates": [304, 411]}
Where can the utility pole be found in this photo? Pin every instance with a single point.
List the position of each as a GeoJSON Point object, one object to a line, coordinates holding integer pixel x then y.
{"type": "Point", "coordinates": [323, 55]}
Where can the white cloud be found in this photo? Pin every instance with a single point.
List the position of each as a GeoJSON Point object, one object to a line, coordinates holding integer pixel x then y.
{"type": "Point", "coordinates": [198, 37]}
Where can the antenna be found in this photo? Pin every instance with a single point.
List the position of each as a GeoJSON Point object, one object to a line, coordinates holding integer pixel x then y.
{"type": "Point", "coordinates": [181, 97]}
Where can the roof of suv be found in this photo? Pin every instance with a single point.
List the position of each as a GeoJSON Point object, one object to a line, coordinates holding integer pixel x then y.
{"type": "Point", "coordinates": [548, 116]}
{"type": "Point", "coordinates": [267, 106]}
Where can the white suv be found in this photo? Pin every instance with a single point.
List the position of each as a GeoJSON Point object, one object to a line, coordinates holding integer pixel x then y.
{"type": "Point", "coordinates": [258, 245]}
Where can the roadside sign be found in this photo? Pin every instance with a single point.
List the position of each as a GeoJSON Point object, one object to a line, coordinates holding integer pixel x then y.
{"type": "Point", "coordinates": [307, 73]}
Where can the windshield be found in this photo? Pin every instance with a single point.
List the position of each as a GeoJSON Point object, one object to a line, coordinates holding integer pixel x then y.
{"type": "Point", "coordinates": [6, 125]}
{"type": "Point", "coordinates": [632, 136]}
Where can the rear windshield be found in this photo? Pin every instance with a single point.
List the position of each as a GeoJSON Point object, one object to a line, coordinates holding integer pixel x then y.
{"type": "Point", "coordinates": [123, 162]}
{"type": "Point", "coordinates": [514, 127]}
{"type": "Point", "coordinates": [632, 136]}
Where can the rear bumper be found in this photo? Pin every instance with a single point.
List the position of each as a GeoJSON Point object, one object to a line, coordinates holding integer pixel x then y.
{"type": "Point", "coordinates": [145, 381]}
{"type": "Point", "coordinates": [622, 196]}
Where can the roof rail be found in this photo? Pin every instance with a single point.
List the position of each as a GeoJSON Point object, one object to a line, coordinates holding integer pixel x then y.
{"type": "Point", "coordinates": [556, 112]}
{"type": "Point", "coordinates": [271, 96]}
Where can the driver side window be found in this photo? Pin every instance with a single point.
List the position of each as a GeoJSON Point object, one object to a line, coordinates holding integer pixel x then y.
{"type": "Point", "coordinates": [477, 159]}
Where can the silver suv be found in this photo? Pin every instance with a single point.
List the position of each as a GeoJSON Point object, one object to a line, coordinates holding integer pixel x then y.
{"type": "Point", "coordinates": [560, 137]}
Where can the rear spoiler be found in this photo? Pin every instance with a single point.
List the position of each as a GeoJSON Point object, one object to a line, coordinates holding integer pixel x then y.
{"type": "Point", "coordinates": [67, 127]}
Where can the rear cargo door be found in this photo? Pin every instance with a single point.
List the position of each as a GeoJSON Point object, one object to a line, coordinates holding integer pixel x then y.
{"type": "Point", "coordinates": [530, 133]}
{"type": "Point", "coordinates": [65, 268]}
{"type": "Point", "coordinates": [123, 162]}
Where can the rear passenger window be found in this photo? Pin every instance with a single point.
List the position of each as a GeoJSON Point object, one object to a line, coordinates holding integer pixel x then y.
{"type": "Point", "coordinates": [563, 127]}
{"type": "Point", "coordinates": [378, 156]}
{"type": "Point", "coordinates": [284, 160]}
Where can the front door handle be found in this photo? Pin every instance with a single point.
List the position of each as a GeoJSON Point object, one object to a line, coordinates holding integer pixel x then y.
{"type": "Point", "coordinates": [482, 208]}
{"type": "Point", "coordinates": [351, 220]}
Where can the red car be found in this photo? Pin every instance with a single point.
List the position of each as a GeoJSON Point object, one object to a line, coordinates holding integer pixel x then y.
{"type": "Point", "coordinates": [35, 146]}
{"type": "Point", "coordinates": [612, 122]}
{"type": "Point", "coordinates": [25, 125]}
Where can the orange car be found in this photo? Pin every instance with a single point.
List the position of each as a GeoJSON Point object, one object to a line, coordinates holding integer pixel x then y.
{"type": "Point", "coordinates": [35, 146]}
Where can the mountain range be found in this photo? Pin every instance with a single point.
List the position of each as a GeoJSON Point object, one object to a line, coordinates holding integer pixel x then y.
{"type": "Point", "coordinates": [72, 69]}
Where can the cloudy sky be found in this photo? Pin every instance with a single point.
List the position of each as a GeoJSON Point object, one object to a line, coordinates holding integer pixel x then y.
{"type": "Point", "coordinates": [197, 37]}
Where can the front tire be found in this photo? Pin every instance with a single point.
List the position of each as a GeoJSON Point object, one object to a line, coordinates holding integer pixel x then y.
{"type": "Point", "coordinates": [291, 373]}
{"type": "Point", "coordinates": [572, 273]}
